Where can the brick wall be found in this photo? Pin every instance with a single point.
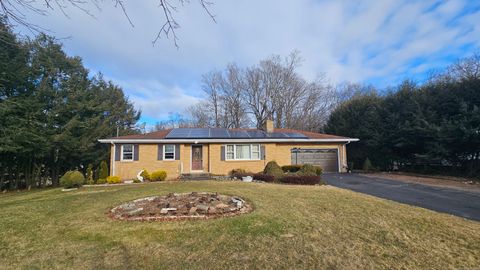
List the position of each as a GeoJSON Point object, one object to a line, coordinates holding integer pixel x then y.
{"type": "Point", "coordinates": [280, 152]}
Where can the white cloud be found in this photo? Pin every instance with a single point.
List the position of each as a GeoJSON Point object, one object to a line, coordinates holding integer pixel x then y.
{"type": "Point", "coordinates": [156, 100]}
{"type": "Point", "coordinates": [375, 41]}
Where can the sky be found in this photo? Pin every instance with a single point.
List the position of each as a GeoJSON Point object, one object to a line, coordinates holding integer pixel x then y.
{"type": "Point", "coordinates": [375, 42]}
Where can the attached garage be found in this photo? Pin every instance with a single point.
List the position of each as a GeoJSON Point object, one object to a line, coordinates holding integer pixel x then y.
{"type": "Point", "coordinates": [326, 158]}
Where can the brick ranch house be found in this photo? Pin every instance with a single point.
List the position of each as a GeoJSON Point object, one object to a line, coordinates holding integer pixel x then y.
{"type": "Point", "coordinates": [218, 150]}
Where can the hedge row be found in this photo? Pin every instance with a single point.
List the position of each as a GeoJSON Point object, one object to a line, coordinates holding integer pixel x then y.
{"type": "Point", "coordinates": [301, 180]}
{"type": "Point", "coordinates": [291, 168]}
{"type": "Point", "coordinates": [264, 177]}
{"type": "Point", "coordinates": [291, 174]}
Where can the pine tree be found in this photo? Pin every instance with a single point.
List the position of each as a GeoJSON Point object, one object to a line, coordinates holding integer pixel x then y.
{"type": "Point", "coordinates": [367, 165]}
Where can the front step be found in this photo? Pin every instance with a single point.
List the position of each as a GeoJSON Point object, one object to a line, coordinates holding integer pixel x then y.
{"type": "Point", "coordinates": [195, 176]}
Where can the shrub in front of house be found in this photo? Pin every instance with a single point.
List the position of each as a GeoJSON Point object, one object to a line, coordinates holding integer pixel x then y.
{"type": "Point", "coordinates": [72, 179]}
{"type": "Point", "coordinates": [291, 168]}
{"type": "Point", "coordinates": [301, 180]}
{"type": "Point", "coordinates": [89, 175]}
{"type": "Point", "coordinates": [158, 175]}
{"type": "Point", "coordinates": [273, 169]}
{"type": "Point", "coordinates": [310, 170]}
{"type": "Point", "coordinates": [145, 175]}
{"type": "Point", "coordinates": [113, 180]}
{"type": "Point", "coordinates": [101, 181]}
{"type": "Point", "coordinates": [264, 177]}
{"type": "Point", "coordinates": [103, 170]}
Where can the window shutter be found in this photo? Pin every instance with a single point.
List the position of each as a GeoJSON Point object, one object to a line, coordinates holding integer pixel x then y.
{"type": "Point", "coordinates": [160, 152]}
{"type": "Point", "coordinates": [222, 152]}
{"type": "Point", "coordinates": [118, 151]}
{"type": "Point", "coordinates": [262, 152]}
{"type": "Point", "coordinates": [177, 151]}
{"type": "Point", "coordinates": [135, 151]}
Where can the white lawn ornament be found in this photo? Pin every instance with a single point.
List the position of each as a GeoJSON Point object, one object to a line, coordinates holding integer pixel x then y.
{"type": "Point", "coordinates": [139, 176]}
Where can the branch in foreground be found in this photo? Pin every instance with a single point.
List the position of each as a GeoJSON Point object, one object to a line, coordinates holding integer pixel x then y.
{"type": "Point", "coordinates": [14, 12]}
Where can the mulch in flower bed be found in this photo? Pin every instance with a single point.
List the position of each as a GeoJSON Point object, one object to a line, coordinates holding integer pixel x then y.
{"type": "Point", "coordinates": [183, 206]}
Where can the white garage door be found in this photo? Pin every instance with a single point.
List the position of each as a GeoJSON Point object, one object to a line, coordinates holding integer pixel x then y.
{"type": "Point", "coordinates": [325, 158]}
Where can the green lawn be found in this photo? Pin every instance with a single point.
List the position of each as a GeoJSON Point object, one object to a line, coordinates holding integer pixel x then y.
{"type": "Point", "coordinates": [291, 227]}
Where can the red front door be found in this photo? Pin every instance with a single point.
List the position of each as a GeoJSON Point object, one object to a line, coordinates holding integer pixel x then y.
{"type": "Point", "coordinates": [197, 158]}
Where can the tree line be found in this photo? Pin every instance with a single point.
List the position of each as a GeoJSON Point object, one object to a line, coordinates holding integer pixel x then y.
{"type": "Point", "coordinates": [52, 112]}
{"type": "Point", "coordinates": [432, 127]}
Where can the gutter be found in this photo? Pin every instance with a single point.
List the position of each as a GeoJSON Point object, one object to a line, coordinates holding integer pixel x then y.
{"type": "Point", "coordinates": [194, 141]}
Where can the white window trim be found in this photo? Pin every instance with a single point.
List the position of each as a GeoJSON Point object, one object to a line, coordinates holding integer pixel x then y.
{"type": "Point", "coordinates": [133, 153]}
{"type": "Point", "coordinates": [174, 150]}
{"type": "Point", "coordinates": [243, 159]}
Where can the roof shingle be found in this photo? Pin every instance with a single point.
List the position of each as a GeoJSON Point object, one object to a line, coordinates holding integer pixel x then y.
{"type": "Point", "coordinates": [157, 135]}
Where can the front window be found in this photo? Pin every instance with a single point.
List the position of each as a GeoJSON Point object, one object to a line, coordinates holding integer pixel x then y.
{"type": "Point", "coordinates": [255, 151]}
{"type": "Point", "coordinates": [127, 152]}
{"type": "Point", "coordinates": [169, 152]}
{"type": "Point", "coordinates": [231, 151]}
{"type": "Point", "coordinates": [243, 152]}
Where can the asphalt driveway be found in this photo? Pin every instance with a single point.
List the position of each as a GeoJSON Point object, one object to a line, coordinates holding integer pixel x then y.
{"type": "Point", "coordinates": [448, 200]}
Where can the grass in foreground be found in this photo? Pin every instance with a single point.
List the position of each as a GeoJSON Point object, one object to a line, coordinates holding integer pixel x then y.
{"type": "Point", "coordinates": [291, 227]}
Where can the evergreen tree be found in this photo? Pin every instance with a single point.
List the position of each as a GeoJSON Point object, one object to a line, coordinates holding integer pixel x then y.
{"type": "Point", "coordinates": [103, 170]}
{"type": "Point", "coordinates": [52, 113]}
{"type": "Point", "coordinates": [89, 175]}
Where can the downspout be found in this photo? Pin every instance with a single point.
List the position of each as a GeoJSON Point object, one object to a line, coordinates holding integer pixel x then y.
{"type": "Point", "coordinates": [209, 160]}
{"type": "Point", "coordinates": [345, 154]}
{"type": "Point", "coordinates": [113, 159]}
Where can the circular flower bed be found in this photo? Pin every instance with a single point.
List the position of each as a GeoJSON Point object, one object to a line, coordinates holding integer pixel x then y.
{"type": "Point", "coordinates": [175, 206]}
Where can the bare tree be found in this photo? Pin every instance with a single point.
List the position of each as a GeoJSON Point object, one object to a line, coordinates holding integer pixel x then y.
{"type": "Point", "coordinates": [14, 12]}
{"type": "Point", "coordinates": [200, 115]}
{"type": "Point", "coordinates": [255, 96]}
{"type": "Point", "coordinates": [464, 69]}
{"type": "Point", "coordinates": [211, 85]}
{"type": "Point", "coordinates": [232, 89]}
{"type": "Point", "coordinates": [273, 89]}
{"type": "Point", "coordinates": [467, 68]}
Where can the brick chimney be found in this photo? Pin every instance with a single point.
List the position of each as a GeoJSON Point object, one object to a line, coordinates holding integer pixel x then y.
{"type": "Point", "coordinates": [268, 126]}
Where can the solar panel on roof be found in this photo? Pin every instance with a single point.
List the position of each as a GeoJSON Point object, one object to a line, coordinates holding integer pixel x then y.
{"type": "Point", "coordinates": [256, 134]}
{"type": "Point", "coordinates": [240, 134]}
{"type": "Point", "coordinates": [178, 133]}
{"type": "Point", "coordinates": [199, 133]}
{"type": "Point", "coordinates": [218, 133]}
{"type": "Point", "coordinates": [221, 133]}
{"type": "Point", "coordinates": [295, 135]}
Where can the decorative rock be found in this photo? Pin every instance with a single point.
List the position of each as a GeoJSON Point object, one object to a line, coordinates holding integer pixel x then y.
{"type": "Point", "coordinates": [222, 206]}
{"type": "Point", "coordinates": [238, 202]}
{"type": "Point", "coordinates": [145, 199]}
{"type": "Point", "coordinates": [202, 207]}
{"type": "Point", "coordinates": [165, 210]}
{"type": "Point", "coordinates": [128, 206]}
{"type": "Point", "coordinates": [135, 211]}
{"type": "Point", "coordinates": [182, 206]}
